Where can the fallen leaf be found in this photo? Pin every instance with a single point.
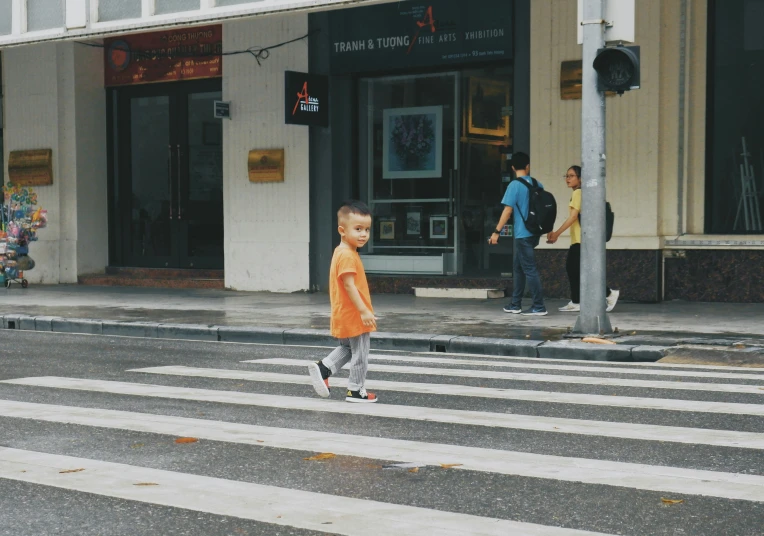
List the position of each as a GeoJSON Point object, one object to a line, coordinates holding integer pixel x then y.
{"type": "Point", "coordinates": [71, 471]}
{"type": "Point", "coordinates": [414, 470]}
{"type": "Point", "coordinates": [322, 456]}
{"type": "Point", "coordinates": [186, 440]}
{"type": "Point", "coordinates": [596, 340]}
{"type": "Point", "coordinates": [136, 445]}
{"type": "Point", "coordinates": [146, 484]}
{"type": "Point", "coordinates": [664, 500]}
{"type": "Point", "coordinates": [260, 441]}
{"type": "Point", "coordinates": [450, 465]}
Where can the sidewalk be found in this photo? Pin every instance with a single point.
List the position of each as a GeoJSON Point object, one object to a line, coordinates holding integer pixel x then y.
{"type": "Point", "coordinates": [405, 322]}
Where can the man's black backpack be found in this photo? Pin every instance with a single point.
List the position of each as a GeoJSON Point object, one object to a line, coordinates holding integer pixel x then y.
{"type": "Point", "coordinates": [542, 209]}
{"type": "Point", "coordinates": [609, 221]}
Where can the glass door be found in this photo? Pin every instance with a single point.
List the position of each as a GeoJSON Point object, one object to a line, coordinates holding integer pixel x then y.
{"type": "Point", "coordinates": [486, 142]}
{"type": "Point", "coordinates": [409, 141]}
{"type": "Point", "coordinates": [200, 183]}
{"type": "Point", "coordinates": [170, 176]}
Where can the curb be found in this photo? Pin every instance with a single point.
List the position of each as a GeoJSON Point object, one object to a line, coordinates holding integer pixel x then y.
{"type": "Point", "coordinates": [415, 342]}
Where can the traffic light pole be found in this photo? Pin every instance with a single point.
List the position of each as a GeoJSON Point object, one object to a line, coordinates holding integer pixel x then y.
{"type": "Point", "coordinates": [593, 319]}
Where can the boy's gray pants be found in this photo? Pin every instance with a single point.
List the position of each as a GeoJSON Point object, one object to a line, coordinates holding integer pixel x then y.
{"type": "Point", "coordinates": [356, 351]}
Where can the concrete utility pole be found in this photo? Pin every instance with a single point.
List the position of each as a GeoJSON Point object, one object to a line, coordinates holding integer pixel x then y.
{"type": "Point", "coordinates": [593, 319]}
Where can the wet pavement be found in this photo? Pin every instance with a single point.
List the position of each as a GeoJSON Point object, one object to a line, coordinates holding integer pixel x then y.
{"type": "Point", "coordinates": [638, 323]}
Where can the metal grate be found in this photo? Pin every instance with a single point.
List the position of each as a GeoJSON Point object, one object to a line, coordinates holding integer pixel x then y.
{"type": "Point", "coordinates": [174, 6]}
{"type": "Point", "coordinates": [235, 2]}
{"type": "Point", "coordinates": [45, 14]}
{"type": "Point", "coordinates": [119, 9]}
{"type": "Point", "coordinates": [5, 17]}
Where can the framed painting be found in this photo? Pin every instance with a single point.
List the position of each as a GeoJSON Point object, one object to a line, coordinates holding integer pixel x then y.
{"type": "Point", "coordinates": [488, 107]}
{"type": "Point", "coordinates": [439, 227]}
{"type": "Point", "coordinates": [387, 229]}
{"type": "Point", "coordinates": [412, 142]}
{"type": "Point", "coordinates": [413, 223]}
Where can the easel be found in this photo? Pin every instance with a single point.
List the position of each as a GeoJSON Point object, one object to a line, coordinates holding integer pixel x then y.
{"type": "Point", "coordinates": [749, 197]}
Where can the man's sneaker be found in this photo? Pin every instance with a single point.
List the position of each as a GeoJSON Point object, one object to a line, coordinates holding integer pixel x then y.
{"type": "Point", "coordinates": [514, 309]}
{"type": "Point", "coordinates": [360, 396]}
{"type": "Point", "coordinates": [319, 377]}
{"type": "Point", "coordinates": [534, 312]}
{"type": "Point", "coordinates": [612, 299]}
{"type": "Point", "coordinates": [570, 308]}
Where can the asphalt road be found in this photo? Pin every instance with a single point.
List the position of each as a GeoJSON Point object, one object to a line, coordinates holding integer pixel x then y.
{"type": "Point", "coordinates": [456, 445]}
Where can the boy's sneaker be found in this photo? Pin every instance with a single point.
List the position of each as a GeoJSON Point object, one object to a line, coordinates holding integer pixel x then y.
{"type": "Point", "coordinates": [612, 299]}
{"type": "Point", "coordinates": [514, 309]}
{"type": "Point", "coordinates": [360, 396]}
{"type": "Point", "coordinates": [319, 377]}
{"type": "Point", "coordinates": [570, 308]}
{"type": "Point", "coordinates": [534, 312]}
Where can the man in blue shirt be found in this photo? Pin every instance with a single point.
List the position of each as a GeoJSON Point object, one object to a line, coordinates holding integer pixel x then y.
{"type": "Point", "coordinates": [516, 201]}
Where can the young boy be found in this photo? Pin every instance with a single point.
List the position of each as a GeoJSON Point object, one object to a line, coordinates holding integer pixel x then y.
{"type": "Point", "coordinates": [352, 315]}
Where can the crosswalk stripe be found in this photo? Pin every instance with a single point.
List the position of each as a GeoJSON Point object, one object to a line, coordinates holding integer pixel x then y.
{"type": "Point", "coordinates": [599, 364]}
{"type": "Point", "coordinates": [629, 475]}
{"type": "Point", "coordinates": [698, 406]}
{"type": "Point", "coordinates": [702, 436]}
{"type": "Point", "coordinates": [499, 362]}
{"type": "Point", "coordinates": [522, 376]}
{"type": "Point", "coordinates": [269, 504]}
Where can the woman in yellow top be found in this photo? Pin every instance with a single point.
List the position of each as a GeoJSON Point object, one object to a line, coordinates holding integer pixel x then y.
{"type": "Point", "coordinates": [573, 263]}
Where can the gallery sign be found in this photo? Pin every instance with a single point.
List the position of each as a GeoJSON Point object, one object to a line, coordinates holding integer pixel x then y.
{"type": "Point", "coordinates": [420, 34]}
{"type": "Point", "coordinates": [306, 99]}
{"type": "Point", "coordinates": [179, 54]}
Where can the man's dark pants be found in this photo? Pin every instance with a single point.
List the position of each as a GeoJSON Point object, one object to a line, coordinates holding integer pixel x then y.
{"type": "Point", "coordinates": [524, 269]}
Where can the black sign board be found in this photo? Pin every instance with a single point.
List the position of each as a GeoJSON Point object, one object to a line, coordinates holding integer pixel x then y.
{"type": "Point", "coordinates": [420, 34]}
{"type": "Point", "coordinates": [306, 99]}
{"type": "Point", "coordinates": [222, 109]}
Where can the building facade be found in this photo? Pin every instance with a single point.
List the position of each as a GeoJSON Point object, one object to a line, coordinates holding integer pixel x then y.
{"type": "Point", "coordinates": [425, 102]}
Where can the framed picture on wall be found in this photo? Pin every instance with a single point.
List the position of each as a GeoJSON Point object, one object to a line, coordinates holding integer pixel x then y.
{"type": "Point", "coordinates": [488, 106]}
{"type": "Point", "coordinates": [412, 142]}
{"type": "Point", "coordinates": [387, 229]}
{"type": "Point", "coordinates": [439, 227]}
{"type": "Point", "coordinates": [414, 223]}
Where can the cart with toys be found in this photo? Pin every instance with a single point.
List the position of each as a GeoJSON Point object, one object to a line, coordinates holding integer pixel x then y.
{"type": "Point", "coordinates": [21, 218]}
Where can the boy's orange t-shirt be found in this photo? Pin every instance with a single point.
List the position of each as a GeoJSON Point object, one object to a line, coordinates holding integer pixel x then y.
{"type": "Point", "coordinates": [346, 319]}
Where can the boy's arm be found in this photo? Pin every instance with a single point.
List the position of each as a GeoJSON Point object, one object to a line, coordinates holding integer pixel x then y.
{"type": "Point", "coordinates": [505, 215]}
{"type": "Point", "coordinates": [367, 317]}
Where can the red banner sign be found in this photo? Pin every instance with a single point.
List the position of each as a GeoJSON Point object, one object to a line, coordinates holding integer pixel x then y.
{"type": "Point", "coordinates": [178, 54]}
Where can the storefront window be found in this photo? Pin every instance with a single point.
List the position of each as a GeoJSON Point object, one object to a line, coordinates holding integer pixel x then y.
{"type": "Point", "coordinates": [735, 175]}
{"type": "Point", "coordinates": [433, 169]}
{"type": "Point", "coordinates": [2, 122]}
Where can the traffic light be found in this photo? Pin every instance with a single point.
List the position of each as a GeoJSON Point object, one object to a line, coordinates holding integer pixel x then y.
{"type": "Point", "coordinates": [617, 69]}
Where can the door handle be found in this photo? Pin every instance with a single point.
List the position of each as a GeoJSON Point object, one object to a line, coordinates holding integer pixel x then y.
{"type": "Point", "coordinates": [177, 175]}
{"type": "Point", "coordinates": [169, 177]}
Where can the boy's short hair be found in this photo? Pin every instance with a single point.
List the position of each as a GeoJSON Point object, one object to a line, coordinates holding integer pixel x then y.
{"type": "Point", "coordinates": [352, 206]}
{"type": "Point", "coordinates": [520, 160]}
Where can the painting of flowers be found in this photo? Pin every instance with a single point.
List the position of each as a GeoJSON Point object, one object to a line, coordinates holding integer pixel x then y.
{"type": "Point", "coordinates": [412, 142]}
